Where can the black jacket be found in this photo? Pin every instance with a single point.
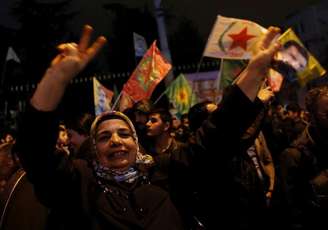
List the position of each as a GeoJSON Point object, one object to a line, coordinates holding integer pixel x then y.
{"type": "Point", "coordinates": [70, 189]}
{"type": "Point", "coordinates": [304, 169]}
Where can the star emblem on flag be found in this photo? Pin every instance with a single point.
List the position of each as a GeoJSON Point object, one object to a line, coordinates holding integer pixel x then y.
{"type": "Point", "coordinates": [182, 96]}
{"type": "Point", "coordinates": [240, 39]}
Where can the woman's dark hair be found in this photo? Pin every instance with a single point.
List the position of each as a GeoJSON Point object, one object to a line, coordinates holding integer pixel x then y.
{"type": "Point", "coordinates": [164, 114]}
{"type": "Point", "coordinates": [80, 124]}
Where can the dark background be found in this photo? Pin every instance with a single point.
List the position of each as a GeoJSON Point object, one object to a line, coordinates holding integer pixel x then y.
{"type": "Point", "coordinates": [34, 28]}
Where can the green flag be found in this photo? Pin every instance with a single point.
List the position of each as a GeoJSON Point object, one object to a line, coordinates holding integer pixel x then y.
{"type": "Point", "coordinates": [181, 95]}
{"type": "Point", "coordinates": [230, 69]}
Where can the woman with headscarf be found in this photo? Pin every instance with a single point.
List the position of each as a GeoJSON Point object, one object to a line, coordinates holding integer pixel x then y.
{"type": "Point", "coordinates": [109, 192]}
{"type": "Point", "coordinates": [106, 192]}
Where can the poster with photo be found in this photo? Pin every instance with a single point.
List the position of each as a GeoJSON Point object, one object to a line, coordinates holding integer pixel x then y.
{"type": "Point", "coordinates": [294, 61]}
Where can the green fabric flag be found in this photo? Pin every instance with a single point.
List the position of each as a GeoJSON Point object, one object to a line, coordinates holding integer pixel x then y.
{"type": "Point", "coordinates": [230, 69]}
{"type": "Point", "coordinates": [181, 95]}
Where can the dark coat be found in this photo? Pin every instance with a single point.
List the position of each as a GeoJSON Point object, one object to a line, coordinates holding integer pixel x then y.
{"type": "Point", "coordinates": [70, 187]}
{"type": "Point", "coordinates": [19, 207]}
{"type": "Point", "coordinates": [216, 193]}
{"type": "Point", "coordinates": [304, 169]}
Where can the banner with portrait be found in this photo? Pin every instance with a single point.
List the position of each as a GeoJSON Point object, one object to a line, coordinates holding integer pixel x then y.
{"type": "Point", "coordinates": [204, 85]}
{"type": "Point", "coordinates": [294, 61]}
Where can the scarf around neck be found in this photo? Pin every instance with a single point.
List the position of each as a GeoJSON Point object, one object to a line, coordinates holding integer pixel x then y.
{"type": "Point", "coordinates": [102, 172]}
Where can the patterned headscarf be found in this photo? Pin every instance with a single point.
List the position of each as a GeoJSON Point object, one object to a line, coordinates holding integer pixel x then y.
{"type": "Point", "coordinates": [112, 115]}
{"type": "Point", "coordinates": [104, 172]}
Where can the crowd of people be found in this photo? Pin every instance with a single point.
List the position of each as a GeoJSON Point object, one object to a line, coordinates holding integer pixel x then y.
{"type": "Point", "coordinates": [246, 163]}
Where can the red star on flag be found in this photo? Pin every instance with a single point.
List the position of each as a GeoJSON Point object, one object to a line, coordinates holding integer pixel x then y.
{"type": "Point", "coordinates": [182, 95]}
{"type": "Point", "coordinates": [240, 39]}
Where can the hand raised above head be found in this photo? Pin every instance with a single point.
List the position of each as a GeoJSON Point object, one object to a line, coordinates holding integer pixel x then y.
{"type": "Point", "coordinates": [266, 49]}
{"type": "Point", "coordinates": [74, 57]}
{"type": "Point", "coordinates": [265, 94]}
{"type": "Point", "coordinates": [64, 67]}
{"type": "Point", "coordinates": [251, 79]}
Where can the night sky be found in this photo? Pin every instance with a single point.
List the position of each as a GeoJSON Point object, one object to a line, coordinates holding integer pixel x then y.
{"type": "Point", "coordinates": [202, 13]}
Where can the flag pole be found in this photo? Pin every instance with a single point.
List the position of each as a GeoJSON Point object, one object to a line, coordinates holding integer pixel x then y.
{"type": "Point", "coordinates": [116, 101]}
{"type": "Point", "coordinates": [197, 71]}
{"type": "Point", "coordinates": [160, 96]}
{"type": "Point", "coordinates": [199, 63]}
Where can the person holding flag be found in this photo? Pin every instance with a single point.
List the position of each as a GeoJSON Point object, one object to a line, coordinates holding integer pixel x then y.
{"type": "Point", "coordinates": [234, 40]}
{"type": "Point", "coordinates": [109, 191]}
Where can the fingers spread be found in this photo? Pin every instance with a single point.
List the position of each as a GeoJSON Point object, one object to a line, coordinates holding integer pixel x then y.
{"type": "Point", "coordinates": [269, 36]}
{"type": "Point", "coordinates": [68, 48]}
{"type": "Point", "coordinates": [82, 51]}
{"type": "Point", "coordinates": [56, 59]}
{"type": "Point", "coordinates": [274, 48]}
{"type": "Point", "coordinates": [61, 47]}
{"type": "Point", "coordinates": [96, 46]}
{"type": "Point", "coordinates": [85, 38]}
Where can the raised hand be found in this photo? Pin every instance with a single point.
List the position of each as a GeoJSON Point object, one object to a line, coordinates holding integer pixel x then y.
{"type": "Point", "coordinates": [64, 67]}
{"type": "Point", "coordinates": [258, 67]}
{"type": "Point", "coordinates": [74, 57]}
{"type": "Point", "coordinates": [266, 49]}
{"type": "Point", "coordinates": [265, 94]}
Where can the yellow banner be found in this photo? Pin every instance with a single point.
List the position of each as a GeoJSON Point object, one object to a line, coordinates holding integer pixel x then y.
{"type": "Point", "coordinates": [296, 55]}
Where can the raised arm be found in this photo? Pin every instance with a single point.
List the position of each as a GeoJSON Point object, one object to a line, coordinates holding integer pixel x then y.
{"type": "Point", "coordinates": [251, 79]}
{"type": "Point", "coordinates": [71, 60]}
{"type": "Point", "coordinates": [237, 110]}
{"type": "Point", "coordinates": [51, 173]}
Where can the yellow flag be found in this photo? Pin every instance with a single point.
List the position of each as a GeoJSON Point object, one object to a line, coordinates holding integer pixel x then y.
{"type": "Point", "coordinates": [296, 55]}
